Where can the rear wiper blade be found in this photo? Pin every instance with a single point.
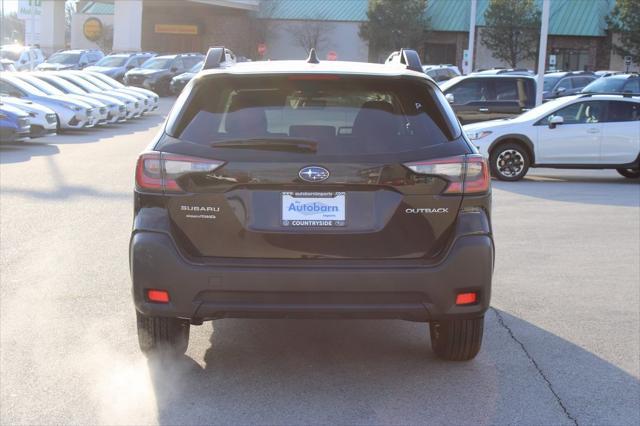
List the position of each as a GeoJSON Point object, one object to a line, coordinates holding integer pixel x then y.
{"type": "Point", "coordinates": [269, 144]}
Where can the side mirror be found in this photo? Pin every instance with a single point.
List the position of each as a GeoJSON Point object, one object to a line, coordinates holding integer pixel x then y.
{"type": "Point", "coordinates": [23, 61]}
{"type": "Point", "coordinates": [130, 67]}
{"type": "Point", "coordinates": [174, 69]}
{"type": "Point", "coordinates": [561, 90]}
{"type": "Point", "coordinates": [450, 98]}
{"type": "Point", "coordinates": [555, 120]}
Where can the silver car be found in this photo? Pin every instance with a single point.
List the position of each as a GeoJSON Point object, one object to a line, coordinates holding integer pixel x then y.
{"type": "Point", "coordinates": [117, 110]}
{"type": "Point", "coordinates": [134, 109]}
{"type": "Point", "coordinates": [144, 101]}
{"type": "Point", "coordinates": [115, 84]}
{"type": "Point", "coordinates": [100, 108]}
{"type": "Point", "coordinates": [71, 113]}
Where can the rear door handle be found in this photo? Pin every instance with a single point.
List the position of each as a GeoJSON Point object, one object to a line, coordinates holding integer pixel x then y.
{"type": "Point", "coordinates": [592, 130]}
{"type": "Point", "coordinates": [483, 109]}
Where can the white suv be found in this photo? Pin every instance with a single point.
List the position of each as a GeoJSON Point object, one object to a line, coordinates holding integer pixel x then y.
{"type": "Point", "coordinates": [580, 132]}
{"type": "Point", "coordinates": [25, 58]}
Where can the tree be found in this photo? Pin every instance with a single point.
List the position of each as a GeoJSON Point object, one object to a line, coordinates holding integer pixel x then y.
{"type": "Point", "coordinates": [105, 42]}
{"type": "Point", "coordinates": [11, 28]}
{"type": "Point", "coordinates": [263, 26]}
{"type": "Point", "coordinates": [511, 31]}
{"type": "Point", "coordinates": [69, 11]}
{"type": "Point", "coordinates": [311, 34]}
{"type": "Point", "coordinates": [625, 19]}
{"type": "Point", "coordinates": [394, 24]}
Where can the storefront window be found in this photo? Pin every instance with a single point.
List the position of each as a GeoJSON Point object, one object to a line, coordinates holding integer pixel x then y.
{"type": "Point", "coordinates": [571, 59]}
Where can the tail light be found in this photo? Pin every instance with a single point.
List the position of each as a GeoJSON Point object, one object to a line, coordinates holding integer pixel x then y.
{"type": "Point", "coordinates": [466, 174]}
{"type": "Point", "coordinates": [158, 296]}
{"type": "Point", "coordinates": [158, 172]}
{"type": "Point", "coordinates": [466, 298]}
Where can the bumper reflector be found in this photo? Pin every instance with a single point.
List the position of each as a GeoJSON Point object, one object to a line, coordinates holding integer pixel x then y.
{"type": "Point", "coordinates": [466, 298]}
{"type": "Point", "coordinates": [158, 296]}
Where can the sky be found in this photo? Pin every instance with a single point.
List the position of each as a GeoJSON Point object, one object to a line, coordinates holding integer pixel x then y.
{"type": "Point", "coordinates": [9, 6]}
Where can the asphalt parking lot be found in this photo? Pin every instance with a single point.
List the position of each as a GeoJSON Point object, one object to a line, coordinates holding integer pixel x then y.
{"type": "Point", "coordinates": [561, 346]}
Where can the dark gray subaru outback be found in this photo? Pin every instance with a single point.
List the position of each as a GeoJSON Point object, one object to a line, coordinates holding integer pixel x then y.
{"type": "Point", "coordinates": [297, 189]}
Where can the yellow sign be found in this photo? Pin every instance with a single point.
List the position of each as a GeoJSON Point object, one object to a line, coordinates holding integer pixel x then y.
{"type": "Point", "coordinates": [92, 29]}
{"type": "Point", "coordinates": [176, 29]}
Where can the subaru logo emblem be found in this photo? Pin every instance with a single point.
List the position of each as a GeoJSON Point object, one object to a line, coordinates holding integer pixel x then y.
{"type": "Point", "coordinates": [313, 174]}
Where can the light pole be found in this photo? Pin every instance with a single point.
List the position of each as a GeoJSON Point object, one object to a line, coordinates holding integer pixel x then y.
{"type": "Point", "coordinates": [542, 55]}
{"type": "Point", "coordinates": [472, 35]}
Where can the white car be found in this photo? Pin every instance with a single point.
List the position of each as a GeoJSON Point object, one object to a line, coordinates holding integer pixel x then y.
{"type": "Point", "coordinates": [7, 66]}
{"type": "Point", "coordinates": [575, 132]}
{"type": "Point", "coordinates": [25, 58]}
{"type": "Point", "coordinates": [43, 119]}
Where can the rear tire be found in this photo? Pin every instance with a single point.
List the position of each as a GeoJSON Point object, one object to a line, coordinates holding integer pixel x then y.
{"type": "Point", "coordinates": [160, 334]}
{"type": "Point", "coordinates": [629, 173]}
{"type": "Point", "coordinates": [509, 162]}
{"type": "Point", "coordinates": [457, 340]}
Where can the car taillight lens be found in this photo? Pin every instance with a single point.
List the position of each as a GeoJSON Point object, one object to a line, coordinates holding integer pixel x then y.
{"type": "Point", "coordinates": [466, 174]}
{"type": "Point", "coordinates": [159, 172]}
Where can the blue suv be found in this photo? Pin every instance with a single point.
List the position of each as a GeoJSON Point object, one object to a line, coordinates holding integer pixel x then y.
{"type": "Point", "coordinates": [117, 64]}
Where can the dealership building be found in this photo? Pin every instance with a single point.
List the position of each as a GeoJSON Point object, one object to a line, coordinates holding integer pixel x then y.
{"type": "Point", "coordinates": [283, 29]}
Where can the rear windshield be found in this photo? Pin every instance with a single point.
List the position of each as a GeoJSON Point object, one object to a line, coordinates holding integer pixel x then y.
{"type": "Point", "coordinates": [338, 115]}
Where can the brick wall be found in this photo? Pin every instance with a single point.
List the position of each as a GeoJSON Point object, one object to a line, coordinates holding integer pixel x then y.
{"type": "Point", "coordinates": [218, 26]}
{"type": "Point", "coordinates": [458, 39]}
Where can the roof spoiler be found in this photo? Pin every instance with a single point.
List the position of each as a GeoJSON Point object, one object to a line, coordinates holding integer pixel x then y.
{"type": "Point", "coordinates": [217, 57]}
{"type": "Point", "coordinates": [407, 57]}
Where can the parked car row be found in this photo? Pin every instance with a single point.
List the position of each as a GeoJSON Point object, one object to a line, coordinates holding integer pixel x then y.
{"type": "Point", "coordinates": [156, 73]}
{"type": "Point", "coordinates": [165, 74]}
{"type": "Point", "coordinates": [141, 69]}
{"type": "Point", "coordinates": [63, 100]}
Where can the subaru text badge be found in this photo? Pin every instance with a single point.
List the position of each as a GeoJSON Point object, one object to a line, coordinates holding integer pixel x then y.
{"type": "Point", "coordinates": [313, 174]}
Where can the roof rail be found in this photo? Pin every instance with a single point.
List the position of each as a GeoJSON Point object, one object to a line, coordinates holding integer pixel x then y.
{"type": "Point", "coordinates": [217, 56]}
{"type": "Point", "coordinates": [624, 94]}
{"type": "Point", "coordinates": [407, 57]}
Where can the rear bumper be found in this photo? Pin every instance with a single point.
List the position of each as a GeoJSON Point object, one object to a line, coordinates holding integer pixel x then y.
{"type": "Point", "coordinates": [418, 293]}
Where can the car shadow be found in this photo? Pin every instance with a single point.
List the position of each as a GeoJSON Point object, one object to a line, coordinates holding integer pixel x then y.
{"type": "Point", "coordinates": [23, 151]}
{"type": "Point", "coordinates": [585, 187]}
{"type": "Point", "coordinates": [98, 134]}
{"type": "Point", "coordinates": [60, 188]}
{"type": "Point", "coordinates": [383, 372]}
